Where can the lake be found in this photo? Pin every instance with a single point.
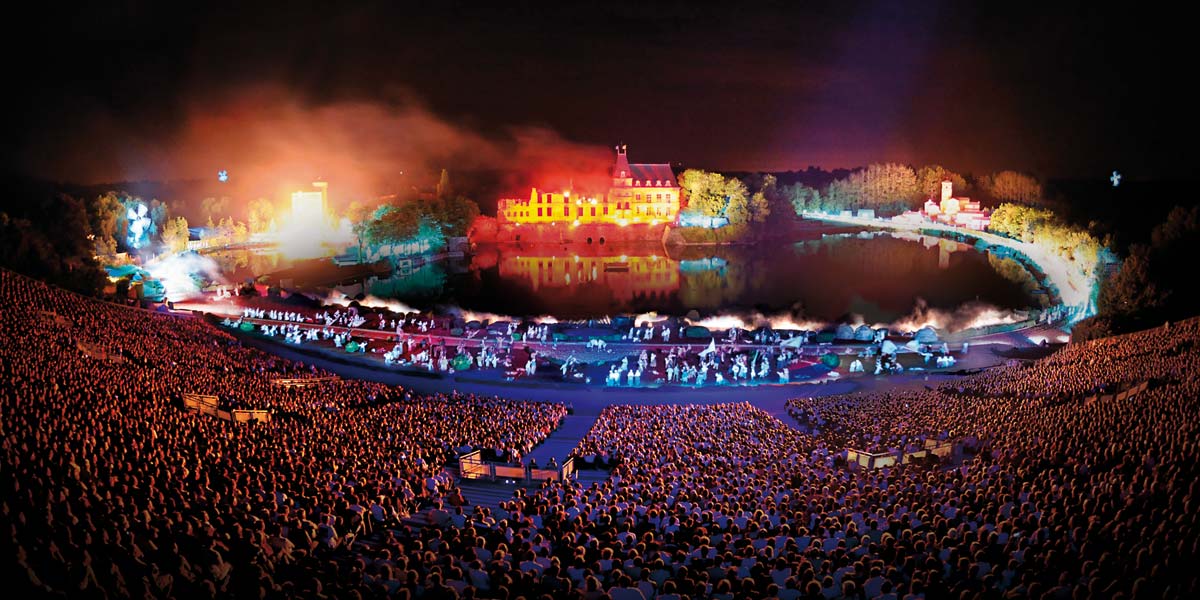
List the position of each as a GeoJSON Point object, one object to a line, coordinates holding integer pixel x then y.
{"type": "Point", "coordinates": [880, 276]}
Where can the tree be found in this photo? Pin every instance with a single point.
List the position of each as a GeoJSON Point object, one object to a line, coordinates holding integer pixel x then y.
{"type": "Point", "coordinates": [1132, 291]}
{"type": "Point", "coordinates": [260, 214]}
{"type": "Point", "coordinates": [704, 192]}
{"type": "Point", "coordinates": [1011, 186]}
{"type": "Point", "coordinates": [760, 207]}
{"type": "Point", "coordinates": [175, 234]}
{"type": "Point", "coordinates": [714, 195]}
{"type": "Point", "coordinates": [886, 185]}
{"type": "Point", "coordinates": [105, 216]}
{"type": "Point", "coordinates": [929, 181]}
{"type": "Point", "coordinates": [737, 206]}
{"type": "Point", "coordinates": [46, 235]}
{"type": "Point", "coordinates": [484, 229]}
{"type": "Point", "coordinates": [778, 198]}
{"type": "Point", "coordinates": [1018, 221]}
{"type": "Point", "coordinates": [841, 195]}
{"type": "Point", "coordinates": [215, 207]}
{"type": "Point", "coordinates": [158, 216]}
{"type": "Point", "coordinates": [456, 213]}
{"type": "Point", "coordinates": [359, 215]}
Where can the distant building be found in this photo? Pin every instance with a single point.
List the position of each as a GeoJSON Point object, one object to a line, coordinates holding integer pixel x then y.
{"type": "Point", "coordinates": [958, 212]}
{"type": "Point", "coordinates": [639, 193]}
{"type": "Point", "coordinates": [309, 207]}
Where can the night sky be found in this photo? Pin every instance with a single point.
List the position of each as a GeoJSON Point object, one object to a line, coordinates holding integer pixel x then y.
{"type": "Point", "coordinates": [152, 90]}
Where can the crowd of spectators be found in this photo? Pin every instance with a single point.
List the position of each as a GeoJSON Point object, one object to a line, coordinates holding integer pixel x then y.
{"type": "Point", "coordinates": [112, 490]}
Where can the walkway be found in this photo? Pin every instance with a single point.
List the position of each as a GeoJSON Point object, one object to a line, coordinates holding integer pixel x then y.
{"type": "Point", "coordinates": [564, 439]}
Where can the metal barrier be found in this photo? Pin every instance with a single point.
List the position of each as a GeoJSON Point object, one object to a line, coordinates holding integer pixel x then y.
{"type": "Point", "coordinates": [472, 466]}
{"type": "Point", "coordinates": [207, 405]}
{"type": "Point", "coordinates": [301, 381]}
{"type": "Point", "coordinates": [879, 460]}
{"type": "Point", "coordinates": [242, 416]}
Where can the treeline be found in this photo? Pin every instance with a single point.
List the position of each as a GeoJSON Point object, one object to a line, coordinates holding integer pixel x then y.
{"type": "Point", "coordinates": [424, 222]}
{"type": "Point", "coordinates": [887, 188]}
{"type": "Point", "coordinates": [1042, 227]}
{"type": "Point", "coordinates": [890, 189]}
{"type": "Point", "coordinates": [715, 195]}
{"type": "Point", "coordinates": [45, 233]}
{"type": "Point", "coordinates": [1154, 282]}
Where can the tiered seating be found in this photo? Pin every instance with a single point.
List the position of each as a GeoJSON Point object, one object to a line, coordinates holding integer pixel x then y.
{"type": "Point", "coordinates": [110, 489]}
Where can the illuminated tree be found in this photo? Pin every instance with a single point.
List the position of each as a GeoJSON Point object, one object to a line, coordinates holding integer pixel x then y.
{"type": "Point", "coordinates": [259, 215]}
{"type": "Point", "coordinates": [778, 198]}
{"type": "Point", "coordinates": [929, 181]}
{"type": "Point", "coordinates": [359, 215]}
{"type": "Point", "coordinates": [175, 234]}
{"type": "Point", "coordinates": [1011, 186]}
{"type": "Point", "coordinates": [737, 206]}
{"type": "Point", "coordinates": [213, 208]}
{"type": "Point", "coordinates": [704, 192]}
{"type": "Point", "coordinates": [803, 198]}
{"type": "Point", "coordinates": [885, 185]}
{"type": "Point", "coordinates": [158, 216]}
{"type": "Point", "coordinates": [1018, 221]}
{"type": "Point", "coordinates": [456, 213]}
{"type": "Point", "coordinates": [760, 207]}
{"type": "Point", "coordinates": [841, 194]}
{"type": "Point", "coordinates": [105, 216]}
{"type": "Point", "coordinates": [714, 195]}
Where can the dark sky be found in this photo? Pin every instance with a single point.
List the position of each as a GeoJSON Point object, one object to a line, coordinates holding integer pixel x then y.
{"type": "Point", "coordinates": [125, 90]}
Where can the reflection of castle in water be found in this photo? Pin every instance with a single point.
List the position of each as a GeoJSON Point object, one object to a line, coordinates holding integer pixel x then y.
{"type": "Point", "coordinates": [627, 277]}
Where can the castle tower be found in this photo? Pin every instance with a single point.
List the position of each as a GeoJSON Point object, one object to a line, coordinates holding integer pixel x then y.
{"type": "Point", "coordinates": [947, 189]}
{"type": "Point", "coordinates": [621, 171]}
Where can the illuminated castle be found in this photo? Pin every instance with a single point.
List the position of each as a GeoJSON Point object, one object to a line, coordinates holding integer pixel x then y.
{"type": "Point", "coordinates": [961, 212]}
{"type": "Point", "coordinates": [639, 194]}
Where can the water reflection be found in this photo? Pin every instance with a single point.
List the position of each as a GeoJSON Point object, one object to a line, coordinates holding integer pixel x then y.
{"type": "Point", "coordinates": [877, 275]}
{"type": "Point", "coordinates": [627, 278]}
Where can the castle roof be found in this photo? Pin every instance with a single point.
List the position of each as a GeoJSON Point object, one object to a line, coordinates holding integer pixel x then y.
{"type": "Point", "coordinates": [649, 174]}
{"type": "Point", "coordinates": [644, 174]}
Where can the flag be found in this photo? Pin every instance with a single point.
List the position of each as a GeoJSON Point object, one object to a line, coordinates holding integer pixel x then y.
{"type": "Point", "coordinates": [712, 347]}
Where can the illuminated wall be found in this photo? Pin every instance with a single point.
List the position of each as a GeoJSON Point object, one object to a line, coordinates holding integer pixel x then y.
{"type": "Point", "coordinates": [628, 277]}
{"type": "Point", "coordinates": [557, 207]}
{"type": "Point", "coordinates": [640, 193]}
{"type": "Point", "coordinates": [308, 209]}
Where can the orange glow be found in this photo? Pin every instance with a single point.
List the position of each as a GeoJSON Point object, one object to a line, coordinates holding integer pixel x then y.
{"type": "Point", "coordinates": [310, 230]}
{"type": "Point", "coordinates": [627, 276]}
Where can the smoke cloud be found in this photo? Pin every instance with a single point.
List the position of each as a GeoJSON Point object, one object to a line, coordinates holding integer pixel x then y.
{"type": "Point", "coordinates": [271, 144]}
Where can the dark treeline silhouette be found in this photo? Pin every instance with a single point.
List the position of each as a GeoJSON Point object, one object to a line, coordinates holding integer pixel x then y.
{"type": "Point", "coordinates": [44, 229]}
